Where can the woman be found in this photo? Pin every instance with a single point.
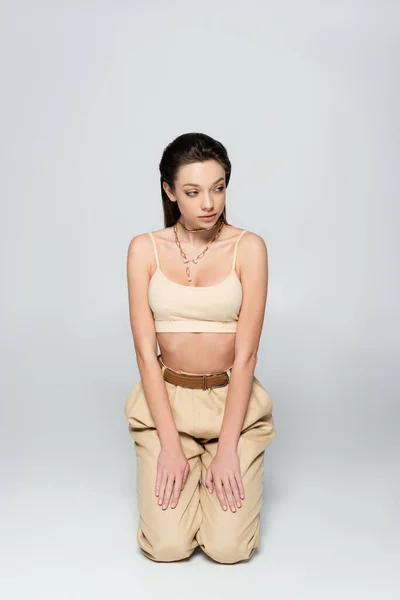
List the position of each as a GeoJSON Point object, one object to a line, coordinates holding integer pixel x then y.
{"type": "Point", "coordinates": [199, 417]}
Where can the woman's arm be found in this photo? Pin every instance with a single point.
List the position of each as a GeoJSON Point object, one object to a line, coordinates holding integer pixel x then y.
{"type": "Point", "coordinates": [145, 341]}
{"type": "Point", "coordinates": [224, 470]}
{"type": "Point", "coordinates": [253, 265]}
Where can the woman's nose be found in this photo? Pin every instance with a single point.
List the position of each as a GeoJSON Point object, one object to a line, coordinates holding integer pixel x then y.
{"type": "Point", "coordinates": [208, 204]}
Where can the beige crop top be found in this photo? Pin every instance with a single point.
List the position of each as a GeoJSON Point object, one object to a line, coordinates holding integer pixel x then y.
{"type": "Point", "coordinates": [179, 307]}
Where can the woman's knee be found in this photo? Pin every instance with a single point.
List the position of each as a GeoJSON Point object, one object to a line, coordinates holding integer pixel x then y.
{"type": "Point", "coordinates": [229, 546]}
{"type": "Point", "coordinates": [228, 553]}
{"type": "Point", "coordinates": [166, 549]}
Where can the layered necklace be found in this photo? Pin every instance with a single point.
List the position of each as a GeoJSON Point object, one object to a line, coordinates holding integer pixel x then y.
{"type": "Point", "coordinates": [220, 223]}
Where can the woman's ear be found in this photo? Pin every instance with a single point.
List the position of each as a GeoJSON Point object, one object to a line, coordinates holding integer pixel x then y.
{"type": "Point", "coordinates": [168, 191]}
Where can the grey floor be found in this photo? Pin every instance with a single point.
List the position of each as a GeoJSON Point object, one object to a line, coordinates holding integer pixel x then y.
{"type": "Point", "coordinates": [330, 518]}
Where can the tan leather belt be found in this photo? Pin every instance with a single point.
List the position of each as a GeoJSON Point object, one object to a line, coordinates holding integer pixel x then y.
{"type": "Point", "coordinates": [202, 381]}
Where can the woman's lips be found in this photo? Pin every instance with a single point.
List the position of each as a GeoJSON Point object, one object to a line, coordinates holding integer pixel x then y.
{"type": "Point", "coordinates": [208, 217]}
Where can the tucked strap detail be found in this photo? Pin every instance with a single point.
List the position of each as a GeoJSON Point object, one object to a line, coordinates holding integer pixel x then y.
{"type": "Point", "coordinates": [162, 365]}
{"type": "Point", "coordinates": [235, 249]}
{"type": "Point", "coordinates": [155, 249]}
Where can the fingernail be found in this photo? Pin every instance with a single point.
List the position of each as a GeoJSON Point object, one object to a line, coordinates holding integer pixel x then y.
{"type": "Point", "coordinates": [224, 507]}
{"type": "Point", "coordinates": [233, 509]}
{"type": "Point", "coordinates": [173, 505]}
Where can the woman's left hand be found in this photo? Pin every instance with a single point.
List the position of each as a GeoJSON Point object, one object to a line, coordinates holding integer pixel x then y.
{"type": "Point", "coordinates": [224, 474]}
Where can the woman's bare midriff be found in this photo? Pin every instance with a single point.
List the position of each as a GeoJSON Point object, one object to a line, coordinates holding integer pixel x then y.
{"type": "Point", "coordinates": [203, 352]}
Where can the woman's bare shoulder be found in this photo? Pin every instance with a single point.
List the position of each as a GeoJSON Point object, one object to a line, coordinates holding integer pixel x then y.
{"type": "Point", "coordinates": [139, 242]}
{"type": "Point", "coordinates": [233, 232]}
{"type": "Point", "coordinates": [250, 238]}
{"type": "Point", "coordinates": [252, 251]}
{"type": "Point", "coordinates": [140, 252]}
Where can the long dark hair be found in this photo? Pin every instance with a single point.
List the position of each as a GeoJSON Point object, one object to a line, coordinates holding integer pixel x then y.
{"type": "Point", "coordinates": [183, 150]}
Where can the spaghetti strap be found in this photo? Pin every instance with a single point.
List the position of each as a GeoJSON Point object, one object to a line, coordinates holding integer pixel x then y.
{"type": "Point", "coordinates": [235, 249]}
{"type": "Point", "coordinates": [155, 249]}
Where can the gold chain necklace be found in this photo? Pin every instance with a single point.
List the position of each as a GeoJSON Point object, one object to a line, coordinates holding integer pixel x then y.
{"type": "Point", "coordinates": [196, 258]}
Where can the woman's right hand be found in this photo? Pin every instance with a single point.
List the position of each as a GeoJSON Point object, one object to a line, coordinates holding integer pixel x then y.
{"type": "Point", "coordinates": [172, 472]}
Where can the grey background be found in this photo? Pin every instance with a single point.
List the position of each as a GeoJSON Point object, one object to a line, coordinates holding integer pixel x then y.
{"type": "Point", "coordinates": [305, 97]}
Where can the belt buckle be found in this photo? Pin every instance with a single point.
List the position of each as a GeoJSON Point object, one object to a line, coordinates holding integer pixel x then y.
{"type": "Point", "coordinates": [215, 386]}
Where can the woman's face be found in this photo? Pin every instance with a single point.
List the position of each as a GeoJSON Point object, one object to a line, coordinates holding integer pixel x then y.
{"type": "Point", "coordinates": [199, 191]}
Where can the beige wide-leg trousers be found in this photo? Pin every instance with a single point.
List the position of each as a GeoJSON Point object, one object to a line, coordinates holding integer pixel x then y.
{"type": "Point", "coordinates": [198, 519]}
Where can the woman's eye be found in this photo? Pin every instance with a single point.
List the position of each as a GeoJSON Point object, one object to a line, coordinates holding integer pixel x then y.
{"type": "Point", "coordinates": [221, 188]}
